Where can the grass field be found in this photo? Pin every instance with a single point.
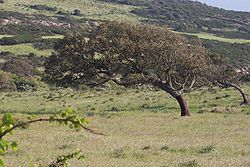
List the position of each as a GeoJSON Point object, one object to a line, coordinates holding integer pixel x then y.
{"type": "Point", "coordinates": [143, 128]}
{"type": "Point", "coordinates": [216, 38]}
{"type": "Point", "coordinates": [53, 37]}
{"type": "Point", "coordinates": [24, 49]}
{"type": "Point", "coordinates": [93, 9]}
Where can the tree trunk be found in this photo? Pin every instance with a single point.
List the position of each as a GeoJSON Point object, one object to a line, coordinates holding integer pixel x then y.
{"type": "Point", "coordinates": [175, 94]}
{"type": "Point", "coordinates": [244, 96]}
{"type": "Point", "coordinates": [183, 105]}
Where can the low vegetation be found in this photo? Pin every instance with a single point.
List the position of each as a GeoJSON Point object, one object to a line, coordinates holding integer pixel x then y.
{"type": "Point", "coordinates": [146, 128]}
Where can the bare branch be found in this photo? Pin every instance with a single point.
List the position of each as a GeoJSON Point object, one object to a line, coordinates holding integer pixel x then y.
{"type": "Point", "coordinates": [47, 120]}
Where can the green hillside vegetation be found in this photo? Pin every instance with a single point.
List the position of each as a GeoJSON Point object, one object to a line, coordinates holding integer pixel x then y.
{"type": "Point", "coordinates": [92, 9]}
{"type": "Point", "coordinates": [192, 16]}
{"type": "Point", "coordinates": [52, 18]}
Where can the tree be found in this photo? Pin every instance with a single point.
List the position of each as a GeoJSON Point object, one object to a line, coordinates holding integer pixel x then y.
{"type": "Point", "coordinates": [226, 75]}
{"type": "Point", "coordinates": [129, 55]}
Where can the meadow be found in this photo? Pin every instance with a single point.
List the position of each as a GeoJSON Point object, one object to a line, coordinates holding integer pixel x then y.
{"type": "Point", "coordinates": [216, 38]}
{"type": "Point", "coordinates": [92, 9]}
{"type": "Point", "coordinates": [142, 127]}
{"type": "Point", "coordinates": [24, 49]}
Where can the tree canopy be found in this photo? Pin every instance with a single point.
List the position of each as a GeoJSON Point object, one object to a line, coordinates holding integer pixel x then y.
{"type": "Point", "coordinates": [130, 54]}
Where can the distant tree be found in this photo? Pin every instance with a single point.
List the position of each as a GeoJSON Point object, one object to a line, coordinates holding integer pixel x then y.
{"type": "Point", "coordinates": [129, 55]}
{"type": "Point", "coordinates": [226, 75]}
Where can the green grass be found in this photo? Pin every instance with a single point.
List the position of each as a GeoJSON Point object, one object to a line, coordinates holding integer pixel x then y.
{"type": "Point", "coordinates": [53, 37]}
{"type": "Point", "coordinates": [216, 38]}
{"type": "Point", "coordinates": [23, 49]}
{"type": "Point", "coordinates": [93, 9]}
{"type": "Point", "coordinates": [2, 36]}
{"type": "Point", "coordinates": [143, 127]}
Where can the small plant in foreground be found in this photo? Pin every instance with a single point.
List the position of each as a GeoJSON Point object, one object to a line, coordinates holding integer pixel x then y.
{"type": "Point", "coordinates": [8, 125]}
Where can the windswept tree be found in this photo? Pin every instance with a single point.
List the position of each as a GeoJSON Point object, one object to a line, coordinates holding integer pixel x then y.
{"type": "Point", "coordinates": [226, 75]}
{"type": "Point", "coordinates": [130, 55]}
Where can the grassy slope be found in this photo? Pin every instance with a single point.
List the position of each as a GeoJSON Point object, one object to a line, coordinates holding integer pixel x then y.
{"type": "Point", "coordinates": [24, 49]}
{"type": "Point", "coordinates": [92, 9]}
{"type": "Point", "coordinates": [216, 38]}
{"type": "Point", "coordinates": [144, 128]}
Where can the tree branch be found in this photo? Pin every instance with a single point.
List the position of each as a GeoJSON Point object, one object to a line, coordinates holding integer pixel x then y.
{"type": "Point", "coordinates": [47, 120]}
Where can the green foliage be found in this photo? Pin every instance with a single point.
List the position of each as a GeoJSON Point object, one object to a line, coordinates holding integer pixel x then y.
{"type": "Point", "coordinates": [7, 123]}
{"type": "Point", "coordinates": [68, 117]}
{"type": "Point", "coordinates": [191, 16]}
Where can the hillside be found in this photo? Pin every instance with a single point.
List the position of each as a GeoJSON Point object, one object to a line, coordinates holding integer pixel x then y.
{"type": "Point", "coordinates": [24, 24]}
{"type": "Point", "coordinates": [192, 16]}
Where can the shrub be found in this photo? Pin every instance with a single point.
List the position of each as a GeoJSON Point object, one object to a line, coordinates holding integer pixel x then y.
{"type": "Point", "coordinates": [5, 82]}
{"type": "Point", "coordinates": [19, 67]}
{"type": "Point", "coordinates": [18, 39]}
{"type": "Point", "coordinates": [43, 7]}
{"type": "Point", "coordinates": [76, 12]}
{"type": "Point", "coordinates": [25, 84]}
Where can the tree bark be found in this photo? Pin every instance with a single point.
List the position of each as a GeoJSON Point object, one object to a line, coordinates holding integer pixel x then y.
{"type": "Point", "coordinates": [244, 96]}
{"type": "Point", "coordinates": [183, 105]}
{"type": "Point", "coordinates": [175, 94]}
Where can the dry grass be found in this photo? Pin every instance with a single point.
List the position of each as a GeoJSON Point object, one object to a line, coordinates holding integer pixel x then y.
{"type": "Point", "coordinates": [143, 127]}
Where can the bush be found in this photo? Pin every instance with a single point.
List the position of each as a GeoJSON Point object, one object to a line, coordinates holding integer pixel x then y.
{"type": "Point", "coordinates": [43, 7]}
{"type": "Point", "coordinates": [76, 12]}
{"type": "Point", "coordinates": [18, 39]}
{"type": "Point", "coordinates": [19, 67]}
{"type": "Point", "coordinates": [5, 82]}
{"type": "Point", "coordinates": [25, 84]}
